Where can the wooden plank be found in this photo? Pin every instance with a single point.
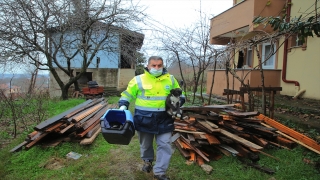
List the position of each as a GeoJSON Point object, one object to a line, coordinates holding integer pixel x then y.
{"type": "Point", "coordinates": [212, 139]}
{"type": "Point", "coordinates": [90, 140]}
{"type": "Point", "coordinates": [207, 126]}
{"type": "Point", "coordinates": [59, 116]}
{"type": "Point", "coordinates": [86, 113]}
{"type": "Point", "coordinates": [19, 147]}
{"type": "Point", "coordinates": [53, 127]}
{"type": "Point", "coordinates": [192, 156]}
{"type": "Point", "coordinates": [66, 128]}
{"type": "Point", "coordinates": [32, 134]}
{"type": "Point", "coordinates": [175, 137]}
{"type": "Point", "coordinates": [196, 136]}
{"type": "Point", "coordinates": [296, 135]}
{"type": "Point", "coordinates": [214, 108]}
{"type": "Point", "coordinates": [286, 142]}
{"type": "Point", "coordinates": [242, 114]}
{"type": "Point", "coordinates": [278, 145]}
{"type": "Point", "coordinates": [204, 128]}
{"type": "Point", "coordinates": [191, 137]}
{"type": "Point", "coordinates": [91, 132]}
{"type": "Point", "coordinates": [239, 139]}
{"type": "Point", "coordinates": [223, 151]}
{"type": "Point", "coordinates": [83, 133]}
{"type": "Point", "coordinates": [231, 91]}
{"type": "Point", "coordinates": [93, 119]}
{"type": "Point", "coordinates": [203, 136]}
{"type": "Point", "coordinates": [199, 160]}
{"type": "Point", "coordinates": [212, 124]}
{"type": "Point", "coordinates": [259, 89]}
{"type": "Point", "coordinates": [99, 112]}
{"type": "Point", "coordinates": [226, 117]}
{"type": "Point", "coordinates": [192, 132]}
{"type": "Point", "coordinates": [204, 117]}
{"type": "Point", "coordinates": [242, 152]}
{"type": "Point", "coordinates": [228, 148]}
{"type": "Point", "coordinates": [259, 141]}
{"type": "Point", "coordinates": [36, 140]}
{"type": "Point", "coordinates": [180, 124]}
{"type": "Point", "coordinates": [184, 153]}
{"type": "Point", "coordinates": [291, 138]}
{"type": "Point", "coordinates": [195, 149]}
{"type": "Point", "coordinates": [233, 127]}
{"type": "Point", "coordinates": [92, 103]}
{"type": "Point", "coordinates": [203, 142]}
{"type": "Point", "coordinates": [183, 145]}
{"type": "Point", "coordinates": [186, 128]}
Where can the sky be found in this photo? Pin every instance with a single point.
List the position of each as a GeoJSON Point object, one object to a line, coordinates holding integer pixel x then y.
{"type": "Point", "coordinates": [180, 13]}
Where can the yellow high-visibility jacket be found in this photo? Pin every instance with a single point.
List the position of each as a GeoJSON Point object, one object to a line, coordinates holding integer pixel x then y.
{"type": "Point", "coordinates": [150, 93]}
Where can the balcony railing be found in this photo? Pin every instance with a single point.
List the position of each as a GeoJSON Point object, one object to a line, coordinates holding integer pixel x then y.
{"type": "Point", "coordinates": [237, 21]}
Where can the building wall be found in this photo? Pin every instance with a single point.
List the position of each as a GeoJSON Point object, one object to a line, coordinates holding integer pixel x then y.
{"type": "Point", "coordinates": [104, 77]}
{"type": "Point", "coordinates": [108, 53]}
{"type": "Point", "coordinates": [125, 75]}
{"type": "Point", "coordinates": [302, 65]}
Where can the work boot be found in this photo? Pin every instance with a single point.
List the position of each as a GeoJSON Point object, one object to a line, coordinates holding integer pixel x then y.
{"type": "Point", "coordinates": [147, 166]}
{"type": "Point", "coordinates": [160, 177]}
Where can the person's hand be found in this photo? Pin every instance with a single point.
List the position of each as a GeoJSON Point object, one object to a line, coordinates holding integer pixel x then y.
{"type": "Point", "coordinates": [123, 107]}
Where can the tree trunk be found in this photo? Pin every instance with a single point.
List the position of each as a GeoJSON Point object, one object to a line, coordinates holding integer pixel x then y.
{"type": "Point", "coordinates": [227, 77]}
{"type": "Point", "coordinates": [76, 86]}
{"type": "Point", "coordinates": [212, 82]}
{"type": "Point", "coordinates": [64, 93]}
{"type": "Point", "coordinates": [263, 98]}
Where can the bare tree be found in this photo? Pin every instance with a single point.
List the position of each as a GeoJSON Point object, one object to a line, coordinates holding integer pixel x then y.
{"type": "Point", "coordinates": [190, 45]}
{"type": "Point", "coordinates": [64, 33]}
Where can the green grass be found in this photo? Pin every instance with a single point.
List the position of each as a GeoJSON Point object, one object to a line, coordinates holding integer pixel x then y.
{"type": "Point", "coordinates": [56, 106]}
{"type": "Point", "coordinates": [101, 160]}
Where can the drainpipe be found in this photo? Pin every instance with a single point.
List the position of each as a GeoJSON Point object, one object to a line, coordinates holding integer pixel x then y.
{"type": "Point", "coordinates": [285, 57]}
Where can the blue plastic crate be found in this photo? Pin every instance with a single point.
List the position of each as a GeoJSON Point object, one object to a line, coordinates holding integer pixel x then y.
{"type": "Point", "coordinates": [117, 126]}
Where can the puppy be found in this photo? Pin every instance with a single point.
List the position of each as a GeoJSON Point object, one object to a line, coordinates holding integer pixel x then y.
{"type": "Point", "coordinates": [173, 103]}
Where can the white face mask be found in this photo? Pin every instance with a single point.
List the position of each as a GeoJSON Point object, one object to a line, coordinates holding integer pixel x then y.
{"type": "Point", "coordinates": [156, 72]}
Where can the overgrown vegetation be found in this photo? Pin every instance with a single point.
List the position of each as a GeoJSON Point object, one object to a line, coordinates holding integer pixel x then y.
{"type": "Point", "coordinates": [101, 160]}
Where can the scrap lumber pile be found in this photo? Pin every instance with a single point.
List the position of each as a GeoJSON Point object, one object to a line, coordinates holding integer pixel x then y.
{"type": "Point", "coordinates": [208, 132]}
{"type": "Point", "coordinates": [80, 124]}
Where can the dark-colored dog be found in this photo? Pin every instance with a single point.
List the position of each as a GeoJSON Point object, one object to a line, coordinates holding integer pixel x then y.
{"type": "Point", "coordinates": [173, 103]}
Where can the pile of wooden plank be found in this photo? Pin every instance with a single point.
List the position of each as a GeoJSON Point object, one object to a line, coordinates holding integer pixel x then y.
{"type": "Point", "coordinates": [208, 132]}
{"type": "Point", "coordinates": [80, 124]}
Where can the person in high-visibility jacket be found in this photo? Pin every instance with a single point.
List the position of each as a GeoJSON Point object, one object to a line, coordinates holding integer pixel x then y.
{"type": "Point", "coordinates": [149, 90]}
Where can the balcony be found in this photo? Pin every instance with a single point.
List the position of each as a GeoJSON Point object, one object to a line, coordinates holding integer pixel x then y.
{"type": "Point", "coordinates": [237, 21]}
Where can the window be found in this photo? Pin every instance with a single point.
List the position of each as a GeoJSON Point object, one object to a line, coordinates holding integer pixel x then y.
{"type": "Point", "coordinates": [249, 57]}
{"type": "Point", "coordinates": [295, 42]}
{"type": "Point", "coordinates": [268, 55]}
{"type": "Point", "coordinates": [98, 62]}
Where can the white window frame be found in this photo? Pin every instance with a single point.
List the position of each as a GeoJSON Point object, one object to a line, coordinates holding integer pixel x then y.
{"type": "Point", "coordinates": [272, 60]}
{"type": "Point", "coordinates": [250, 64]}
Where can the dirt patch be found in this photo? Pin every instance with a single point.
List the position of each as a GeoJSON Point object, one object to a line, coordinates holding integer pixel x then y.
{"type": "Point", "coordinates": [124, 162]}
{"type": "Point", "coordinates": [54, 163]}
{"type": "Point", "coordinates": [303, 112]}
